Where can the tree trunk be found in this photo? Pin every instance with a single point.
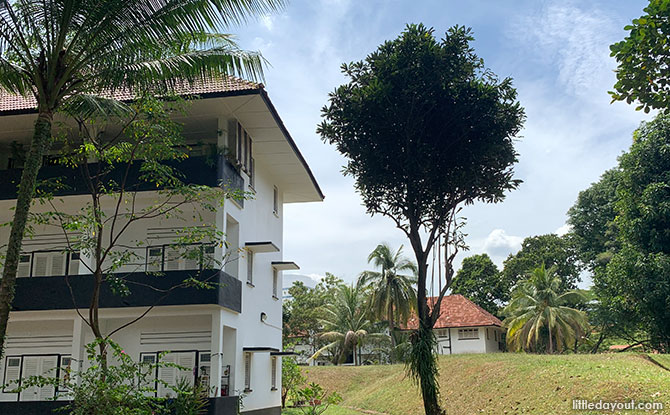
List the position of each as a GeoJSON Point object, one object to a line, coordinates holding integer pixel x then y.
{"type": "Point", "coordinates": [424, 364]}
{"type": "Point", "coordinates": [391, 327]}
{"type": "Point", "coordinates": [40, 143]}
{"type": "Point", "coordinates": [551, 343]}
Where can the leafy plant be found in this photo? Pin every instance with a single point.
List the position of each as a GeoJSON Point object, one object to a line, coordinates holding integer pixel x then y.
{"type": "Point", "coordinates": [191, 399]}
{"type": "Point", "coordinates": [125, 388]}
{"type": "Point", "coordinates": [316, 399]}
{"type": "Point", "coordinates": [291, 379]}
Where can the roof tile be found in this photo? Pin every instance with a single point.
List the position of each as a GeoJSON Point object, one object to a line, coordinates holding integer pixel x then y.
{"type": "Point", "coordinates": [457, 311]}
{"type": "Point", "coordinates": [12, 103]}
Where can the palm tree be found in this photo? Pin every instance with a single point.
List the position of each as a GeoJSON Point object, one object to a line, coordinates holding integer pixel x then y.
{"type": "Point", "coordinates": [392, 292]}
{"type": "Point", "coordinates": [62, 50]}
{"type": "Point", "coordinates": [346, 324]}
{"type": "Point", "coordinates": [538, 307]}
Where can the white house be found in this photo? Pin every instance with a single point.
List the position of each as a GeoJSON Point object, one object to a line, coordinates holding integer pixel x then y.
{"type": "Point", "coordinates": [463, 327]}
{"type": "Point", "coordinates": [229, 336]}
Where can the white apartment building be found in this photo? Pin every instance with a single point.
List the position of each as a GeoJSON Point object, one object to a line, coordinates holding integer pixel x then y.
{"type": "Point", "coordinates": [230, 336]}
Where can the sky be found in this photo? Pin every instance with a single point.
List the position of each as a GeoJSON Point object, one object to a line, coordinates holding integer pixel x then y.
{"type": "Point", "coordinates": [557, 52]}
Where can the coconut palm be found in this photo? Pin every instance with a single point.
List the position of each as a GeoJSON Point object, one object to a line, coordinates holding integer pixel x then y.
{"type": "Point", "coordinates": [392, 292]}
{"type": "Point", "coordinates": [538, 307]}
{"type": "Point", "coordinates": [346, 324]}
{"type": "Point", "coordinates": [62, 50]}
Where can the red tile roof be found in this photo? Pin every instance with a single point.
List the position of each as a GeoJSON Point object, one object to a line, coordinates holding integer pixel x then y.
{"type": "Point", "coordinates": [457, 311]}
{"type": "Point", "coordinates": [230, 84]}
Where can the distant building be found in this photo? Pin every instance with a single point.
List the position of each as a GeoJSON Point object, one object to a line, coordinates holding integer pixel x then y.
{"type": "Point", "coordinates": [463, 327]}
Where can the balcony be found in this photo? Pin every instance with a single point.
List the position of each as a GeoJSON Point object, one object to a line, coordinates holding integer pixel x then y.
{"type": "Point", "coordinates": [146, 289]}
{"type": "Point", "coordinates": [195, 170]}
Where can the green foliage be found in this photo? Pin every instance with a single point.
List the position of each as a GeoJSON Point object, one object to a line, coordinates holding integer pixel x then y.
{"type": "Point", "coordinates": [479, 280]}
{"type": "Point", "coordinates": [316, 399]}
{"type": "Point", "coordinates": [557, 252]}
{"type": "Point", "coordinates": [392, 296]}
{"type": "Point", "coordinates": [346, 324]}
{"type": "Point", "coordinates": [592, 221]}
{"type": "Point", "coordinates": [291, 379]}
{"type": "Point", "coordinates": [425, 128]}
{"type": "Point", "coordinates": [638, 276]}
{"type": "Point", "coordinates": [124, 388]}
{"type": "Point", "coordinates": [540, 306]}
{"type": "Point", "coordinates": [642, 74]}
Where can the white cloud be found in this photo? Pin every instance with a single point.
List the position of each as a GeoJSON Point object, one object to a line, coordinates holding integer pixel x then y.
{"type": "Point", "coordinates": [268, 22]}
{"type": "Point", "coordinates": [498, 243]}
{"type": "Point", "coordinates": [564, 229]}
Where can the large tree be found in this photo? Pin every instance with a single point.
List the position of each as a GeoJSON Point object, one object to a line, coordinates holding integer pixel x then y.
{"type": "Point", "coordinates": [392, 293]}
{"type": "Point", "coordinates": [426, 128]}
{"type": "Point", "coordinates": [56, 51]}
{"type": "Point", "coordinates": [643, 74]}
{"type": "Point", "coordinates": [553, 251]}
{"type": "Point", "coordinates": [479, 280]}
{"type": "Point", "coordinates": [639, 273]}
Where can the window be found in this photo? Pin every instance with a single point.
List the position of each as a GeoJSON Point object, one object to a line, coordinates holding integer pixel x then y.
{"type": "Point", "coordinates": [252, 175]}
{"type": "Point", "coordinates": [12, 374]}
{"type": "Point", "coordinates": [208, 257]}
{"type": "Point", "coordinates": [74, 263]}
{"type": "Point", "coordinates": [275, 283]}
{"type": "Point", "coordinates": [468, 334]}
{"type": "Point", "coordinates": [170, 375]}
{"type": "Point", "coordinates": [64, 372]}
{"type": "Point", "coordinates": [48, 264]}
{"type": "Point", "coordinates": [487, 333]}
{"type": "Point", "coordinates": [247, 372]}
{"type": "Point", "coordinates": [204, 368]}
{"type": "Point", "coordinates": [38, 366]}
{"type": "Point", "coordinates": [154, 259]}
{"type": "Point", "coordinates": [24, 265]}
{"type": "Point", "coordinates": [275, 201]}
{"type": "Point", "coordinates": [495, 335]}
{"type": "Point", "coordinates": [274, 373]}
{"type": "Point", "coordinates": [148, 372]}
{"type": "Point", "coordinates": [250, 268]}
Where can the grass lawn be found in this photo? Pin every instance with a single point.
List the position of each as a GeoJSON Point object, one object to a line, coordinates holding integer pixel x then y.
{"type": "Point", "coordinates": [503, 383]}
{"type": "Point", "coordinates": [332, 410]}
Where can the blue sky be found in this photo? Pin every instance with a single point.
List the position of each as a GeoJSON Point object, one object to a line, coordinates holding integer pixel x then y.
{"type": "Point", "coordinates": [555, 50]}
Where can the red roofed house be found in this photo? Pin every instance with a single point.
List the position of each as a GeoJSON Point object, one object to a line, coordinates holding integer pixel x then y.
{"type": "Point", "coordinates": [463, 327]}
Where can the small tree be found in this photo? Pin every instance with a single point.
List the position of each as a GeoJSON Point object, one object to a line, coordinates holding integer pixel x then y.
{"type": "Point", "coordinates": [317, 400]}
{"type": "Point", "coordinates": [426, 129]}
{"type": "Point", "coordinates": [149, 144]}
{"type": "Point", "coordinates": [291, 379]}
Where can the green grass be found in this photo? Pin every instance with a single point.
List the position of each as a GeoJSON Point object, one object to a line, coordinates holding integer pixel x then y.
{"type": "Point", "coordinates": [503, 383]}
{"type": "Point", "coordinates": [333, 410]}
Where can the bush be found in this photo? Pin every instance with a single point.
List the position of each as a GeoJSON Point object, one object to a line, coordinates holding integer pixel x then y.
{"type": "Point", "coordinates": [316, 399]}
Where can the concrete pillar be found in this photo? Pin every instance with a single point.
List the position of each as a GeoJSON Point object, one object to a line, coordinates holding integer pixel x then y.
{"type": "Point", "coordinates": [217, 353]}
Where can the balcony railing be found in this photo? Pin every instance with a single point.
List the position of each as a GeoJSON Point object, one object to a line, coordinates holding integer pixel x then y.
{"type": "Point", "coordinates": [195, 170]}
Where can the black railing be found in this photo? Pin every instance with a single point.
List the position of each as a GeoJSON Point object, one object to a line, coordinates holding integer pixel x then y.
{"type": "Point", "coordinates": [224, 405]}
{"type": "Point", "coordinates": [146, 289]}
{"type": "Point", "coordinates": [199, 170]}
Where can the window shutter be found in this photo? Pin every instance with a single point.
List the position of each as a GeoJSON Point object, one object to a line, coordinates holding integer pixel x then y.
{"type": "Point", "coordinates": [48, 369]}
{"type": "Point", "coordinates": [250, 267]}
{"type": "Point", "coordinates": [31, 366]}
{"type": "Point", "coordinates": [12, 373]}
{"type": "Point", "coordinates": [154, 259]}
{"type": "Point", "coordinates": [171, 259]}
{"type": "Point", "coordinates": [247, 371]}
{"type": "Point", "coordinates": [275, 278]}
{"type": "Point", "coordinates": [187, 361]}
{"type": "Point", "coordinates": [167, 375]}
{"type": "Point", "coordinates": [57, 263]}
{"type": "Point", "coordinates": [74, 264]}
{"type": "Point", "coordinates": [192, 261]}
{"type": "Point", "coordinates": [41, 260]}
{"type": "Point", "coordinates": [24, 266]}
{"type": "Point", "coordinates": [274, 373]}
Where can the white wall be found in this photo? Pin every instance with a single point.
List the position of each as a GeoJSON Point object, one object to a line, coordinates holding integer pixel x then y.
{"type": "Point", "coordinates": [462, 346]}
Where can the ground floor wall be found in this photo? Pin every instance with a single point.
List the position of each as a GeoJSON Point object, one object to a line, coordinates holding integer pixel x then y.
{"type": "Point", "coordinates": [465, 340]}
{"type": "Point", "coordinates": [209, 340]}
